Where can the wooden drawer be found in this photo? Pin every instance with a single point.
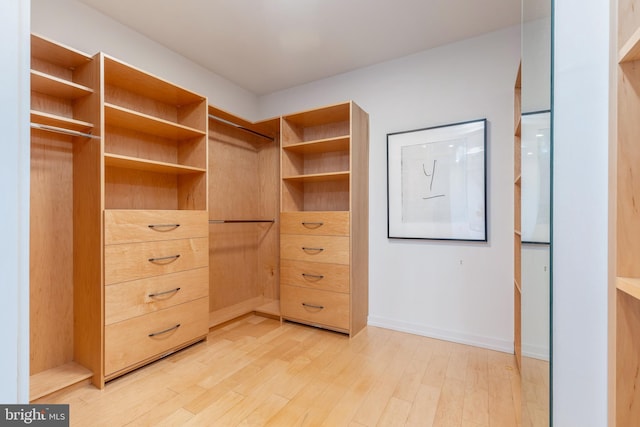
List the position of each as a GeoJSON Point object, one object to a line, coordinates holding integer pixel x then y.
{"type": "Point", "coordinates": [138, 297]}
{"type": "Point", "coordinates": [132, 341]}
{"type": "Point", "coordinates": [331, 249]}
{"type": "Point", "coordinates": [315, 307]}
{"type": "Point", "coordinates": [131, 261]}
{"type": "Point", "coordinates": [315, 275]}
{"type": "Point", "coordinates": [315, 223]}
{"type": "Point", "coordinates": [128, 226]}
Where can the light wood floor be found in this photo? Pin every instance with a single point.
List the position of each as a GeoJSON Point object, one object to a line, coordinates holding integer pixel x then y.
{"type": "Point", "coordinates": [256, 372]}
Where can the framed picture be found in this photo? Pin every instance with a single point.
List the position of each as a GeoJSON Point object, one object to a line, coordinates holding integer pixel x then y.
{"type": "Point", "coordinates": [436, 182]}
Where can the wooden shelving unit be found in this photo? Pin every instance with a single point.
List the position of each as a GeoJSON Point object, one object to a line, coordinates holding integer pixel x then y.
{"type": "Point", "coordinates": [517, 215]}
{"type": "Point", "coordinates": [625, 150]}
{"type": "Point", "coordinates": [324, 230]}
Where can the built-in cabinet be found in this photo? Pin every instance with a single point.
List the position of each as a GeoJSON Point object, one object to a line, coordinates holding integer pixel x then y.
{"type": "Point", "coordinates": [155, 216]}
{"type": "Point", "coordinates": [324, 218]}
{"type": "Point", "coordinates": [625, 248]}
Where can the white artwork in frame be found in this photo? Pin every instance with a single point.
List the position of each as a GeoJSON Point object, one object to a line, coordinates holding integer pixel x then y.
{"type": "Point", "coordinates": [436, 182]}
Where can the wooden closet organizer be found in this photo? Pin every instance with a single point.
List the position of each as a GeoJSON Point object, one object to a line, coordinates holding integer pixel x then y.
{"type": "Point", "coordinates": [155, 216]}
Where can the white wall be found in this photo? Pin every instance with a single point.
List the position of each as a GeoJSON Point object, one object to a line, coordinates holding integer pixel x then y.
{"type": "Point", "coordinates": [83, 28]}
{"type": "Point", "coordinates": [14, 205]}
{"type": "Point", "coordinates": [457, 291]}
{"type": "Point", "coordinates": [581, 80]}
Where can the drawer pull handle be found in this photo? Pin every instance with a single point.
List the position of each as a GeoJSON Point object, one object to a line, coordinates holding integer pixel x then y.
{"type": "Point", "coordinates": [157, 294]}
{"type": "Point", "coordinates": [312, 249]}
{"type": "Point", "coordinates": [312, 224]}
{"type": "Point", "coordinates": [165, 258]}
{"type": "Point", "coordinates": [312, 276]}
{"type": "Point", "coordinates": [319, 307]}
{"type": "Point", "coordinates": [163, 227]}
{"type": "Point", "coordinates": [155, 334]}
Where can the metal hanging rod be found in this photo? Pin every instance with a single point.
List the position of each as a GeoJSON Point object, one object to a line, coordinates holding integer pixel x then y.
{"type": "Point", "coordinates": [238, 221]}
{"type": "Point", "coordinates": [63, 131]}
{"type": "Point", "coordinates": [211, 116]}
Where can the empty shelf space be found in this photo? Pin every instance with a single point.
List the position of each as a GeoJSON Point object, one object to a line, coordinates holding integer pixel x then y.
{"type": "Point", "coordinates": [127, 162]}
{"type": "Point", "coordinates": [52, 380]}
{"type": "Point", "coordinates": [55, 53]}
{"type": "Point", "coordinates": [55, 86]}
{"type": "Point", "coordinates": [129, 119]}
{"type": "Point", "coordinates": [340, 143]}
{"type": "Point", "coordinates": [47, 119]}
{"type": "Point", "coordinates": [318, 177]}
{"type": "Point", "coordinates": [630, 286]}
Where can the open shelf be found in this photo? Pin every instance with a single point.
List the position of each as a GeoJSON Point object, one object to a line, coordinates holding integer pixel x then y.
{"type": "Point", "coordinates": [318, 177]}
{"type": "Point", "coordinates": [54, 86]}
{"type": "Point", "coordinates": [58, 378]}
{"type": "Point", "coordinates": [339, 143]}
{"type": "Point", "coordinates": [630, 286]}
{"type": "Point", "coordinates": [630, 51]}
{"type": "Point", "coordinates": [55, 53]}
{"type": "Point", "coordinates": [126, 118]}
{"type": "Point", "coordinates": [127, 162]}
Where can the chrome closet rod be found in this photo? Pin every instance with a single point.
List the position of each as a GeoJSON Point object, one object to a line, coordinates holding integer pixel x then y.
{"type": "Point", "coordinates": [236, 221]}
{"type": "Point", "coordinates": [211, 116]}
{"type": "Point", "coordinates": [63, 131]}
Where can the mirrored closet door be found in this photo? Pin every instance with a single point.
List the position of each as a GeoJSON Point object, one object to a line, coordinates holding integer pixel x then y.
{"type": "Point", "coordinates": [536, 176]}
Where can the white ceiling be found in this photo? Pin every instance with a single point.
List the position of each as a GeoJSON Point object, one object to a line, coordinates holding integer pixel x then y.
{"type": "Point", "coordinates": [269, 45]}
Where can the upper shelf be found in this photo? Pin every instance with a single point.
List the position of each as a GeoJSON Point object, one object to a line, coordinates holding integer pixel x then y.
{"type": "Point", "coordinates": [136, 163]}
{"type": "Point", "coordinates": [630, 51]}
{"type": "Point", "coordinates": [340, 143]}
{"type": "Point", "coordinates": [134, 80]}
{"type": "Point", "coordinates": [630, 286]}
{"type": "Point", "coordinates": [129, 119]}
{"type": "Point", "coordinates": [47, 119]}
{"type": "Point", "coordinates": [318, 177]}
{"type": "Point", "coordinates": [54, 86]}
{"type": "Point", "coordinates": [320, 116]}
{"type": "Point", "coordinates": [55, 53]}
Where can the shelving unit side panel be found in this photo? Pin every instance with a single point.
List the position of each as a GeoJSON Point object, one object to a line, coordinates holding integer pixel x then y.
{"type": "Point", "coordinates": [359, 221]}
{"type": "Point", "coordinates": [87, 221]}
{"type": "Point", "coordinates": [193, 115]}
{"type": "Point", "coordinates": [627, 360]}
{"type": "Point", "coordinates": [192, 191]}
{"type": "Point", "coordinates": [292, 194]}
{"type": "Point", "coordinates": [51, 251]}
{"type": "Point", "coordinates": [131, 189]}
{"type": "Point", "coordinates": [628, 178]}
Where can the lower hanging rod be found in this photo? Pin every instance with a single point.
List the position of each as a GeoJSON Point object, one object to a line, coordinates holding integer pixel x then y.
{"type": "Point", "coordinates": [237, 221]}
{"type": "Point", "coordinates": [211, 116]}
{"type": "Point", "coordinates": [63, 131]}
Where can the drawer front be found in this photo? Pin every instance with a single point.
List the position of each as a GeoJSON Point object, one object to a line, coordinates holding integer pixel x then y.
{"type": "Point", "coordinates": [315, 307]}
{"type": "Point", "coordinates": [128, 226]}
{"type": "Point", "coordinates": [330, 249]}
{"type": "Point", "coordinates": [315, 223]}
{"type": "Point", "coordinates": [131, 261]}
{"type": "Point", "coordinates": [128, 343]}
{"type": "Point", "coordinates": [315, 275]}
{"type": "Point", "coordinates": [138, 297]}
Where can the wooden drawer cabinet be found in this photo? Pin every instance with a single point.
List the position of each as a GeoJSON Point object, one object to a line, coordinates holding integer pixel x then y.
{"type": "Point", "coordinates": [130, 226]}
{"type": "Point", "coordinates": [315, 223]}
{"type": "Point", "coordinates": [315, 275]}
{"type": "Point", "coordinates": [331, 249]}
{"type": "Point", "coordinates": [138, 297]}
{"type": "Point", "coordinates": [316, 307]}
{"type": "Point", "coordinates": [131, 261]}
{"type": "Point", "coordinates": [138, 339]}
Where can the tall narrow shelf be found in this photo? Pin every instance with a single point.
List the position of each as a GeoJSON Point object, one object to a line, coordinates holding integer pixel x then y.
{"type": "Point", "coordinates": [244, 216]}
{"type": "Point", "coordinates": [625, 244]}
{"type": "Point", "coordinates": [517, 215]}
{"type": "Point", "coordinates": [65, 217]}
{"type": "Point", "coordinates": [324, 219]}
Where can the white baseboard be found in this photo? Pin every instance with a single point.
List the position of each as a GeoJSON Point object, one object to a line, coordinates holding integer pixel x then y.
{"type": "Point", "coordinates": [535, 352]}
{"type": "Point", "coordinates": [441, 334]}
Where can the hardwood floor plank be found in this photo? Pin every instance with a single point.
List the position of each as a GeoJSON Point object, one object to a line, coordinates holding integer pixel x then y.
{"type": "Point", "coordinates": [257, 371]}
